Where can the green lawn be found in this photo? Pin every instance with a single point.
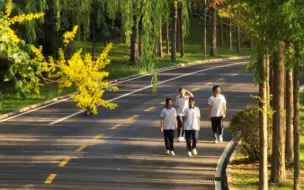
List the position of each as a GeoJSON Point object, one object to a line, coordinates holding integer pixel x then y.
{"type": "Point", "coordinates": [245, 174]}
{"type": "Point", "coordinates": [11, 101]}
{"type": "Point", "coordinates": [119, 67]}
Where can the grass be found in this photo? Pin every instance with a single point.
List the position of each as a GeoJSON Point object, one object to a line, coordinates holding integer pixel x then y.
{"type": "Point", "coordinates": [11, 101]}
{"type": "Point", "coordinates": [245, 174]}
{"type": "Point", "coordinates": [120, 66]}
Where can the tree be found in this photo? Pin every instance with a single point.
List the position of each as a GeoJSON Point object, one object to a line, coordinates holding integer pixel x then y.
{"type": "Point", "coordinates": [174, 30]}
{"type": "Point", "coordinates": [30, 66]}
{"type": "Point", "coordinates": [238, 44]}
{"type": "Point", "coordinates": [213, 44]}
{"type": "Point", "coordinates": [160, 44]}
{"type": "Point", "coordinates": [296, 123]}
{"type": "Point", "coordinates": [278, 24]}
{"type": "Point", "coordinates": [222, 33]}
{"type": "Point", "coordinates": [230, 36]}
{"type": "Point", "coordinates": [263, 91]}
{"type": "Point", "coordinates": [178, 28]}
{"type": "Point", "coordinates": [134, 54]}
{"type": "Point", "coordinates": [289, 115]}
{"type": "Point", "coordinates": [181, 29]}
{"type": "Point", "coordinates": [213, 4]}
{"type": "Point", "coordinates": [167, 38]}
{"type": "Point", "coordinates": [278, 172]}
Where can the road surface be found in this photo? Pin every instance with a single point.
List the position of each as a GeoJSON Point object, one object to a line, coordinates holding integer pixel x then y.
{"type": "Point", "coordinates": [54, 148]}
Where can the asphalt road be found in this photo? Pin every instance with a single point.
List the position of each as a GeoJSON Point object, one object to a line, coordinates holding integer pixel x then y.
{"type": "Point", "coordinates": [122, 148]}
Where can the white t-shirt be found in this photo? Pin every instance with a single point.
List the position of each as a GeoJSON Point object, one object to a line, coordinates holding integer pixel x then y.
{"type": "Point", "coordinates": [192, 115]}
{"type": "Point", "coordinates": [217, 105]}
{"type": "Point", "coordinates": [181, 104]}
{"type": "Point", "coordinates": [169, 116]}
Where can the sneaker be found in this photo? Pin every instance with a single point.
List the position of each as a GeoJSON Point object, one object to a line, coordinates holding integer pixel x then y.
{"type": "Point", "coordinates": [183, 139]}
{"type": "Point", "coordinates": [221, 138]}
{"type": "Point", "coordinates": [194, 152]}
{"type": "Point", "coordinates": [167, 152]}
{"type": "Point", "coordinates": [172, 153]}
{"type": "Point", "coordinates": [216, 138]}
{"type": "Point", "coordinates": [189, 153]}
{"type": "Point", "coordinates": [179, 139]}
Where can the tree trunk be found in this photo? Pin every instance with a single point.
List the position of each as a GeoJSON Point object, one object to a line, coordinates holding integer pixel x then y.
{"type": "Point", "coordinates": [134, 46]}
{"type": "Point", "coordinates": [251, 43]}
{"type": "Point", "coordinates": [181, 28]}
{"type": "Point", "coordinates": [278, 172]}
{"type": "Point", "coordinates": [271, 81]}
{"type": "Point", "coordinates": [263, 174]}
{"type": "Point", "coordinates": [167, 38]}
{"type": "Point", "coordinates": [222, 33]}
{"type": "Point", "coordinates": [238, 45]}
{"type": "Point", "coordinates": [205, 31]}
{"type": "Point", "coordinates": [213, 44]}
{"type": "Point", "coordinates": [140, 45]}
{"type": "Point", "coordinates": [296, 125]}
{"type": "Point", "coordinates": [178, 34]}
{"type": "Point", "coordinates": [289, 116]}
{"type": "Point", "coordinates": [174, 28]}
{"type": "Point", "coordinates": [160, 42]}
{"type": "Point", "coordinates": [230, 36]}
{"type": "Point", "coordinates": [268, 83]}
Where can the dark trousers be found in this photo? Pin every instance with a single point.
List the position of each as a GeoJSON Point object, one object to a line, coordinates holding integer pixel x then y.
{"type": "Point", "coordinates": [180, 124]}
{"type": "Point", "coordinates": [217, 126]}
{"type": "Point", "coordinates": [169, 139]}
{"type": "Point", "coordinates": [191, 135]}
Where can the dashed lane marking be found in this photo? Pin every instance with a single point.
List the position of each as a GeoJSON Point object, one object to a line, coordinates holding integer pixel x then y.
{"type": "Point", "coordinates": [98, 136]}
{"type": "Point", "coordinates": [115, 126]}
{"type": "Point", "coordinates": [79, 149]}
{"type": "Point", "coordinates": [64, 162]}
{"type": "Point", "coordinates": [50, 178]}
{"type": "Point", "coordinates": [133, 117]}
{"type": "Point", "coordinates": [149, 109]}
{"type": "Point", "coordinates": [194, 89]}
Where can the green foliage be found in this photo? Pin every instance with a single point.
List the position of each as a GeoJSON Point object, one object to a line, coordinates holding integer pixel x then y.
{"type": "Point", "coordinates": [244, 126]}
{"type": "Point", "coordinates": [277, 21]}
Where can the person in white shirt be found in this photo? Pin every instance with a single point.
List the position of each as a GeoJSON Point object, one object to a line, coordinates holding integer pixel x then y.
{"type": "Point", "coordinates": [216, 113]}
{"type": "Point", "coordinates": [192, 126]}
{"type": "Point", "coordinates": [181, 103]}
{"type": "Point", "coordinates": [167, 126]}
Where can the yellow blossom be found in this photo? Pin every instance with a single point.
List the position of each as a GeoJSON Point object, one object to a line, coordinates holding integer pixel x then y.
{"type": "Point", "coordinates": [8, 8]}
{"type": "Point", "coordinates": [12, 35]}
{"type": "Point", "coordinates": [26, 17]}
{"type": "Point", "coordinates": [38, 53]}
{"type": "Point", "coordinates": [70, 35]}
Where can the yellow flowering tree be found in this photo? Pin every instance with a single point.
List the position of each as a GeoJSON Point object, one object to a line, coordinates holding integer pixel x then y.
{"type": "Point", "coordinates": [30, 66]}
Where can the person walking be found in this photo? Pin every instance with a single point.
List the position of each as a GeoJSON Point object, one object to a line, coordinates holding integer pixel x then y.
{"type": "Point", "coordinates": [181, 103]}
{"type": "Point", "coordinates": [167, 125]}
{"type": "Point", "coordinates": [216, 113]}
{"type": "Point", "coordinates": [192, 126]}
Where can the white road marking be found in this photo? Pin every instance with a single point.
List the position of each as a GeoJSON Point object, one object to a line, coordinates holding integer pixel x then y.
{"type": "Point", "coordinates": [9, 118]}
{"type": "Point", "coordinates": [115, 83]}
{"type": "Point", "coordinates": [219, 167]}
{"type": "Point", "coordinates": [141, 89]}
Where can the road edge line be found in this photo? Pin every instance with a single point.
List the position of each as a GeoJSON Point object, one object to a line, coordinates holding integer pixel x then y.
{"type": "Point", "coordinates": [31, 108]}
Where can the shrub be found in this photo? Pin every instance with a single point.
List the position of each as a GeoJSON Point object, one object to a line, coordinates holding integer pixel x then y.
{"type": "Point", "coordinates": [245, 127]}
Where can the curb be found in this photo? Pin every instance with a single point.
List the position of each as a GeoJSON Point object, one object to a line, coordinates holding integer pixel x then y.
{"type": "Point", "coordinates": [228, 169]}
{"type": "Point", "coordinates": [112, 82]}
{"type": "Point", "coordinates": [222, 166]}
